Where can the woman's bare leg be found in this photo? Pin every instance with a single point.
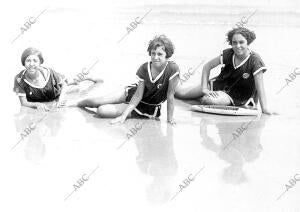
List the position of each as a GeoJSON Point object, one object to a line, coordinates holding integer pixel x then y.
{"type": "Point", "coordinates": [221, 99]}
{"type": "Point", "coordinates": [111, 110]}
{"type": "Point", "coordinates": [116, 97]}
{"type": "Point", "coordinates": [188, 91]}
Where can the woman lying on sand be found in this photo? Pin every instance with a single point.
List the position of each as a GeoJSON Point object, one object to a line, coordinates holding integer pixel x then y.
{"type": "Point", "coordinates": [38, 85]}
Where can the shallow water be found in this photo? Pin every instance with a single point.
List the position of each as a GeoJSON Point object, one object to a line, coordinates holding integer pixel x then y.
{"type": "Point", "coordinates": [146, 172]}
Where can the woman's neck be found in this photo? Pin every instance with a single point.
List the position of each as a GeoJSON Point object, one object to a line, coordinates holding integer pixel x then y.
{"type": "Point", "coordinates": [33, 76]}
{"type": "Point", "coordinates": [160, 68]}
{"type": "Point", "coordinates": [243, 56]}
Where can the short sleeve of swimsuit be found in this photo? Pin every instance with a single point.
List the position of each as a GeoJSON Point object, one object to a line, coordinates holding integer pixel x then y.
{"type": "Point", "coordinates": [18, 86]}
{"type": "Point", "coordinates": [257, 65]}
{"type": "Point", "coordinates": [59, 78]}
{"type": "Point", "coordinates": [226, 56]}
{"type": "Point", "coordinates": [174, 70]}
{"type": "Point", "coordinates": [142, 72]}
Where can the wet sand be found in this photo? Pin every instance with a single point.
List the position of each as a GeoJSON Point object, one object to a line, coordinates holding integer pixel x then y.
{"type": "Point", "coordinates": [144, 169]}
{"type": "Point", "coordinates": [148, 165]}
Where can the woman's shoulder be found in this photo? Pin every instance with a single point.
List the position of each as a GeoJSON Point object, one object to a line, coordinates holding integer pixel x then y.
{"type": "Point", "coordinates": [20, 76]}
{"type": "Point", "coordinates": [255, 55]}
{"type": "Point", "coordinates": [255, 58]}
{"type": "Point", "coordinates": [172, 69]}
{"type": "Point", "coordinates": [173, 65]}
{"type": "Point", "coordinates": [51, 73]}
{"type": "Point", "coordinates": [144, 65]}
{"type": "Point", "coordinates": [228, 51]}
{"type": "Point", "coordinates": [21, 73]}
{"type": "Point", "coordinates": [226, 56]}
{"type": "Point", "coordinates": [47, 70]}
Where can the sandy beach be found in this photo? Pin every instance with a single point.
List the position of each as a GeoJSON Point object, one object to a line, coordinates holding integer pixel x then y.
{"type": "Point", "coordinates": [193, 166]}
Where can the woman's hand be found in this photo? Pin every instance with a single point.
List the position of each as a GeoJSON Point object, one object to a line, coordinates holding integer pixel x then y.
{"type": "Point", "coordinates": [205, 91]}
{"type": "Point", "coordinates": [120, 119]}
{"type": "Point", "coordinates": [172, 122]}
{"type": "Point", "coordinates": [94, 80]}
{"type": "Point", "coordinates": [42, 107]}
{"type": "Point", "coordinates": [61, 104]}
{"type": "Point", "coordinates": [269, 112]}
{"type": "Point", "coordinates": [210, 93]}
{"type": "Point", "coordinates": [213, 94]}
{"type": "Point", "coordinates": [76, 81]}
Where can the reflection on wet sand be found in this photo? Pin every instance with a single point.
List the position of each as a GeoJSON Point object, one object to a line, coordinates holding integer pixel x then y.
{"type": "Point", "coordinates": [246, 148]}
{"type": "Point", "coordinates": [156, 158]}
{"type": "Point", "coordinates": [48, 126]}
{"type": "Point", "coordinates": [105, 131]}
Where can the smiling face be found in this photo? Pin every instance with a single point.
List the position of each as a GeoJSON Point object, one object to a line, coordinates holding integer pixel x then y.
{"type": "Point", "coordinates": [32, 63]}
{"type": "Point", "coordinates": [158, 56]}
{"type": "Point", "coordinates": [239, 44]}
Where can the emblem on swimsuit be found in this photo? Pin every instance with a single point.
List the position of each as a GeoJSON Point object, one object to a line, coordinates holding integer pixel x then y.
{"type": "Point", "coordinates": [227, 89]}
{"type": "Point", "coordinates": [246, 75]}
{"type": "Point", "coordinates": [158, 86]}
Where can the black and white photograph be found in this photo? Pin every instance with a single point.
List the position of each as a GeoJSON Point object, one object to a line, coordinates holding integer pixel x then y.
{"type": "Point", "coordinates": [150, 106]}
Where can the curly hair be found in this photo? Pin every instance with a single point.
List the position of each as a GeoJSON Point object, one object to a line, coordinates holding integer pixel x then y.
{"type": "Point", "coordinates": [31, 51]}
{"type": "Point", "coordinates": [163, 41]}
{"type": "Point", "coordinates": [246, 33]}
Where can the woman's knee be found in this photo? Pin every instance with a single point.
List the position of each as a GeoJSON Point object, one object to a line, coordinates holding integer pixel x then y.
{"type": "Point", "coordinates": [180, 94]}
{"type": "Point", "coordinates": [83, 103]}
{"type": "Point", "coordinates": [220, 100]}
{"type": "Point", "coordinates": [89, 102]}
{"type": "Point", "coordinates": [109, 111]}
{"type": "Point", "coordinates": [207, 100]}
{"type": "Point", "coordinates": [101, 111]}
{"type": "Point", "coordinates": [187, 93]}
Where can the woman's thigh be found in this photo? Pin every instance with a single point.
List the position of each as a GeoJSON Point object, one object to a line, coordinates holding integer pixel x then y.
{"type": "Point", "coordinates": [188, 91]}
{"type": "Point", "coordinates": [111, 110]}
{"type": "Point", "coordinates": [116, 97]}
{"type": "Point", "coordinates": [221, 99]}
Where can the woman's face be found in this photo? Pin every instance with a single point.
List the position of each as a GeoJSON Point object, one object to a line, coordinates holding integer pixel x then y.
{"type": "Point", "coordinates": [158, 57]}
{"type": "Point", "coordinates": [32, 63]}
{"type": "Point", "coordinates": [239, 44]}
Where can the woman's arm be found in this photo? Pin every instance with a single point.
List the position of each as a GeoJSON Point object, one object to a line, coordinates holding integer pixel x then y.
{"type": "Point", "coordinates": [64, 90]}
{"type": "Point", "coordinates": [170, 99]}
{"type": "Point", "coordinates": [259, 84]}
{"type": "Point", "coordinates": [94, 80]}
{"type": "Point", "coordinates": [206, 72]}
{"type": "Point", "coordinates": [205, 77]}
{"type": "Point", "coordinates": [35, 105]}
{"type": "Point", "coordinates": [135, 100]}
